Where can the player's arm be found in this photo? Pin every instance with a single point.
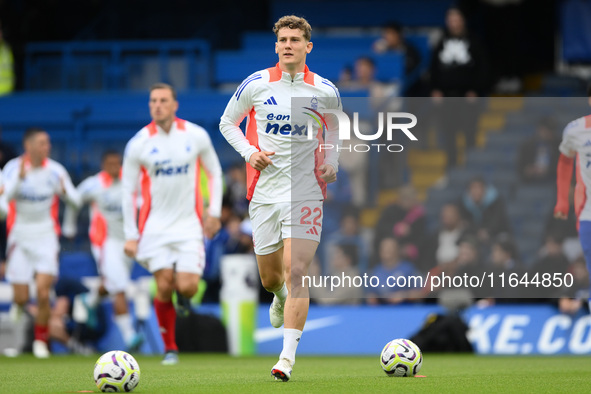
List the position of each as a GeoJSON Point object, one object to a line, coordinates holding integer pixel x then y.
{"type": "Point", "coordinates": [12, 178]}
{"type": "Point", "coordinates": [68, 192]}
{"type": "Point", "coordinates": [129, 181]}
{"type": "Point", "coordinates": [211, 164]}
{"type": "Point", "coordinates": [238, 108]}
{"type": "Point", "coordinates": [331, 161]}
{"type": "Point", "coordinates": [564, 174]}
{"type": "Point", "coordinates": [70, 222]}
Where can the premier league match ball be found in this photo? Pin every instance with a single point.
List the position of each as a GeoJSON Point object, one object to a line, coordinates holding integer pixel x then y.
{"type": "Point", "coordinates": [116, 372]}
{"type": "Point", "coordinates": [401, 358]}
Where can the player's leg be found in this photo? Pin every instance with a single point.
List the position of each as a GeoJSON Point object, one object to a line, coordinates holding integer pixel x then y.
{"type": "Point", "coordinates": [20, 298]}
{"type": "Point", "coordinates": [44, 282]}
{"type": "Point", "coordinates": [268, 247]}
{"type": "Point", "coordinates": [154, 253]}
{"type": "Point", "coordinates": [164, 307]}
{"type": "Point", "coordinates": [273, 280]}
{"type": "Point", "coordinates": [585, 238]}
{"type": "Point", "coordinates": [301, 231]}
{"type": "Point", "coordinates": [297, 257]}
{"type": "Point", "coordinates": [115, 271]}
{"type": "Point", "coordinates": [19, 274]}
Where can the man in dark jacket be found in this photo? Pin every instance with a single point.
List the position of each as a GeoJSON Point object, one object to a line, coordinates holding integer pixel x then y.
{"type": "Point", "coordinates": [458, 69]}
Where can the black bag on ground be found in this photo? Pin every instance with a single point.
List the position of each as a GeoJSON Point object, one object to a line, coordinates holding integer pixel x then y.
{"type": "Point", "coordinates": [201, 333]}
{"type": "Point", "coordinates": [443, 333]}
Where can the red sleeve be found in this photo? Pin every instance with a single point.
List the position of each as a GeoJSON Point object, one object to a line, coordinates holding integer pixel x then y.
{"type": "Point", "coordinates": [564, 174]}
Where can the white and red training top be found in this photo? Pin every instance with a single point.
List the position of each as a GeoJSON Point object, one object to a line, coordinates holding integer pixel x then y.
{"type": "Point", "coordinates": [265, 97]}
{"type": "Point", "coordinates": [33, 202]}
{"type": "Point", "coordinates": [104, 194]}
{"type": "Point", "coordinates": [576, 140]}
{"type": "Point", "coordinates": [168, 167]}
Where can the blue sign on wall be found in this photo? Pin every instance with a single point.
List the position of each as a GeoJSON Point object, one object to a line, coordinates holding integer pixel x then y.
{"type": "Point", "coordinates": [364, 330]}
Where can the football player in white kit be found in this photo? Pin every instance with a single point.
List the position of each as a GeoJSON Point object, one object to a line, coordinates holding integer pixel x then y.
{"type": "Point", "coordinates": [33, 185]}
{"type": "Point", "coordinates": [575, 153]}
{"type": "Point", "coordinates": [103, 192]}
{"type": "Point", "coordinates": [167, 236]}
{"type": "Point", "coordinates": [287, 222]}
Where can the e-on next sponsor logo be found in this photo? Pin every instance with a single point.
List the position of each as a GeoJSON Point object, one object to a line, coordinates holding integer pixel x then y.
{"type": "Point", "coordinates": [284, 129]}
{"type": "Point", "coordinates": [164, 168]}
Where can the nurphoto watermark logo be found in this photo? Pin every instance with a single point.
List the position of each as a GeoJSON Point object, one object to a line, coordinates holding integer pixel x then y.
{"type": "Point", "coordinates": [344, 127]}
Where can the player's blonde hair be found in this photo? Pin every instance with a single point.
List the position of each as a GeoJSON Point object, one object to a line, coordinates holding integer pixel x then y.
{"type": "Point", "coordinates": [294, 22]}
{"type": "Point", "coordinates": [162, 85]}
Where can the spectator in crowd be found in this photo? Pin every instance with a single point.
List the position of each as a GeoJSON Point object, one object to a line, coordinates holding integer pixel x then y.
{"type": "Point", "coordinates": [550, 261]}
{"type": "Point", "coordinates": [364, 72]}
{"type": "Point", "coordinates": [484, 210]}
{"type": "Point", "coordinates": [239, 239]}
{"type": "Point", "coordinates": [342, 264]}
{"type": "Point", "coordinates": [441, 248]}
{"type": "Point", "coordinates": [236, 188]}
{"type": "Point", "coordinates": [234, 237]}
{"type": "Point", "coordinates": [338, 198]}
{"type": "Point", "coordinates": [538, 157]}
{"type": "Point", "coordinates": [577, 295]}
{"type": "Point", "coordinates": [7, 79]}
{"type": "Point", "coordinates": [504, 260]}
{"type": "Point", "coordinates": [405, 221]}
{"type": "Point", "coordinates": [348, 233]}
{"type": "Point", "coordinates": [458, 69]}
{"type": "Point", "coordinates": [469, 260]}
{"type": "Point", "coordinates": [392, 266]}
{"type": "Point", "coordinates": [392, 40]}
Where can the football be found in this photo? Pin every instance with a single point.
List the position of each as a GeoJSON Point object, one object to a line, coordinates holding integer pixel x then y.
{"type": "Point", "coordinates": [116, 372]}
{"type": "Point", "coordinates": [401, 358]}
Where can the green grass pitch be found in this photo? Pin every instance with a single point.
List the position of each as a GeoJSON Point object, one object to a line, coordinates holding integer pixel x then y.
{"type": "Point", "coordinates": [224, 374]}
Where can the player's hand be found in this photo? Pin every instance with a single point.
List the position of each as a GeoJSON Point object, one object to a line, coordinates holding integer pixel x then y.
{"type": "Point", "coordinates": [211, 226]}
{"type": "Point", "coordinates": [328, 173]}
{"type": "Point", "coordinates": [260, 160]}
{"type": "Point", "coordinates": [130, 248]}
{"type": "Point", "coordinates": [23, 171]}
{"type": "Point", "coordinates": [62, 187]}
{"type": "Point", "coordinates": [561, 211]}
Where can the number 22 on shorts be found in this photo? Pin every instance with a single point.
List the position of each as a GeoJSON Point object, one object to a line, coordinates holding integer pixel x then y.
{"type": "Point", "coordinates": [307, 211]}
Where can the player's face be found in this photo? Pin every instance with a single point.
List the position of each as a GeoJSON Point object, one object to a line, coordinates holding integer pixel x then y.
{"type": "Point", "coordinates": [38, 146]}
{"type": "Point", "coordinates": [112, 165]}
{"type": "Point", "coordinates": [291, 46]}
{"type": "Point", "coordinates": [163, 106]}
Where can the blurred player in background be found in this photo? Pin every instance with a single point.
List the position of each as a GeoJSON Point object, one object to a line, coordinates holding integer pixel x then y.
{"type": "Point", "coordinates": [286, 227]}
{"type": "Point", "coordinates": [33, 183]}
{"type": "Point", "coordinates": [576, 142]}
{"type": "Point", "coordinates": [103, 192]}
{"type": "Point", "coordinates": [167, 237]}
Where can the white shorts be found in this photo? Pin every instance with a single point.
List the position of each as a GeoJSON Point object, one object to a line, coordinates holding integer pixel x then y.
{"type": "Point", "coordinates": [272, 223]}
{"type": "Point", "coordinates": [113, 264]}
{"type": "Point", "coordinates": [156, 252]}
{"type": "Point", "coordinates": [27, 256]}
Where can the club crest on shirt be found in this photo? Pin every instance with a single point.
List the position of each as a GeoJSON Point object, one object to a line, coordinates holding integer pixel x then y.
{"type": "Point", "coordinates": [314, 103]}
